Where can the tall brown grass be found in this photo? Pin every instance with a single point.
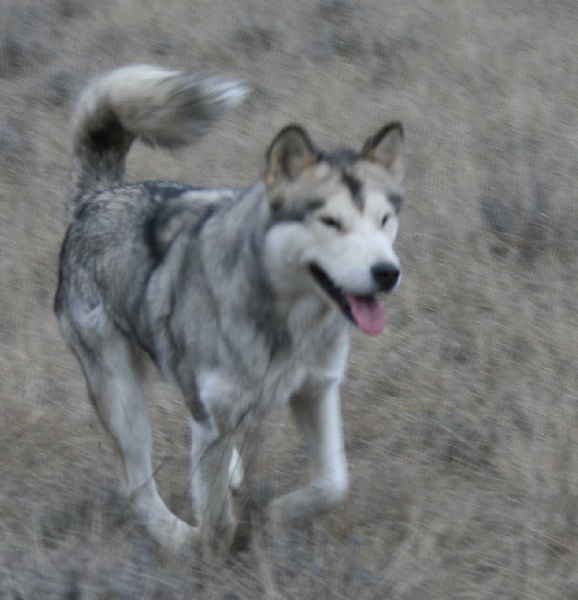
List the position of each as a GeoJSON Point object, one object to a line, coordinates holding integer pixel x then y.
{"type": "Point", "coordinates": [461, 420]}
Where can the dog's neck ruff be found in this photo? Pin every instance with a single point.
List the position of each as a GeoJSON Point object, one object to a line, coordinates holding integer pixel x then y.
{"type": "Point", "coordinates": [247, 302]}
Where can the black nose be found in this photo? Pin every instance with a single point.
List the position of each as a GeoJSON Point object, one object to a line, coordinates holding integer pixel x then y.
{"type": "Point", "coordinates": [386, 275]}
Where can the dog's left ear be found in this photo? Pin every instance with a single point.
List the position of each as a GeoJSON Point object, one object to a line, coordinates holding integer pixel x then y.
{"type": "Point", "coordinates": [290, 153]}
{"type": "Point", "coordinates": [386, 149]}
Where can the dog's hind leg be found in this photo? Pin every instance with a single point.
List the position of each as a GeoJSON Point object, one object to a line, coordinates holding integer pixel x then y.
{"type": "Point", "coordinates": [318, 417]}
{"type": "Point", "coordinates": [113, 374]}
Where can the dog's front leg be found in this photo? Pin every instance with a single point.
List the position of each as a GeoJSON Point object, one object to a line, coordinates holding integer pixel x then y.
{"type": "Point", "coordinates": [318, 417]}
{"type": "Point", "coordinates": [211, 455]}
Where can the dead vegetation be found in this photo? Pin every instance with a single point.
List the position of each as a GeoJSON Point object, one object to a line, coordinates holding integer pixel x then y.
{"type": "Point", "coordinates": [461, 421]}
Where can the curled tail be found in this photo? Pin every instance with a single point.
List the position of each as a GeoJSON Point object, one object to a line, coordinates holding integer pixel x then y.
{"type": "Point", "coordinates": [162, 108]}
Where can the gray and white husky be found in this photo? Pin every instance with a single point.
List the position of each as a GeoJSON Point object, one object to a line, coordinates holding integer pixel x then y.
{"type": "Point", "coordinates": [244, 298]}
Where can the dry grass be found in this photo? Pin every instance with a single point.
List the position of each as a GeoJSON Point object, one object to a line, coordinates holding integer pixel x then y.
{"type": "Point", "coordinates": [461, 421]}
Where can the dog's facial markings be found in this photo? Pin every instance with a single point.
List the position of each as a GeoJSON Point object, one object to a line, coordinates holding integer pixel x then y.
{"type": "Point", "coordinates": [305, 206]}
{"type": "Point", "coordinates": [296, 212]}
{"type": "Point", "coordinates": [354, 186]}
{"type": "Point", "coordinates": [340, 158]}
{"type": "Point", "coordinates": [314, 204]}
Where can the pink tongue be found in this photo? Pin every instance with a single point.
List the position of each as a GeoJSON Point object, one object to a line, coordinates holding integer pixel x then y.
{"type": "Point", "coordinates": [367, 313]}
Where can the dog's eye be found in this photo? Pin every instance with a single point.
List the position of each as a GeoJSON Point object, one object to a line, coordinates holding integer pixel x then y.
{"type": "Point", "coordinates": [331, 222]}
{"type": "Point", "coordinates": [384, 220]}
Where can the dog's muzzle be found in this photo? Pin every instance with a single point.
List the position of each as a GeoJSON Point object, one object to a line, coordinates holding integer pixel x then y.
{"type": "Point", "coordinates": [364, 310]}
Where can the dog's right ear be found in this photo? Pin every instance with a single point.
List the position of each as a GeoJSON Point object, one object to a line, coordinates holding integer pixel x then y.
{"type": "Point", "coordinates": [167, 222]}
{"type": "Point", "coordinates": [386, 149]}
{"type": "Point", "coordinates": [290, 153]}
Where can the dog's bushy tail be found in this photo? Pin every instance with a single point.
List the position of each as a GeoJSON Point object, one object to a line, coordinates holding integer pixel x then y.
{"type": "Point", "coordinates": [162, 108]}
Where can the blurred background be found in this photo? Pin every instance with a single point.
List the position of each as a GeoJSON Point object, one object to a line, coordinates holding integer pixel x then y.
{"type": "Point", "coordinates": [461, 419]}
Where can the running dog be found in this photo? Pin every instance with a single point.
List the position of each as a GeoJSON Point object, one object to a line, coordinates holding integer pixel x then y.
{"type": "Point", "coordinates": [243, 298]}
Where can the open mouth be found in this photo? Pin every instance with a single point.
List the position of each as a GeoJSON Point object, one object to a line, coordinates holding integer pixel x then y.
{"type": "Point", "coordinates": [364, 311]}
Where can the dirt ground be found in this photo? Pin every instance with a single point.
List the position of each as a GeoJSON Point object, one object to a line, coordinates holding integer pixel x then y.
{"type": "Point", "coordinates": [461, 420]}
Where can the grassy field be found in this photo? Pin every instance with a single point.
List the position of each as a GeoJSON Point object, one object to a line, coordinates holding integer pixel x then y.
{"type": "Point", "coordinates": [461, 420]}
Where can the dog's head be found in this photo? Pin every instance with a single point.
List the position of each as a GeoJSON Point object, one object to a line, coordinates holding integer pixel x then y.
{"type": "Point", "coordinates": [334, 219]}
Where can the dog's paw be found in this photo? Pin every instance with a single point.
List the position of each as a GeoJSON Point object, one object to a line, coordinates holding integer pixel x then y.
{"type": "Point", "coordinates": [177, 536]}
